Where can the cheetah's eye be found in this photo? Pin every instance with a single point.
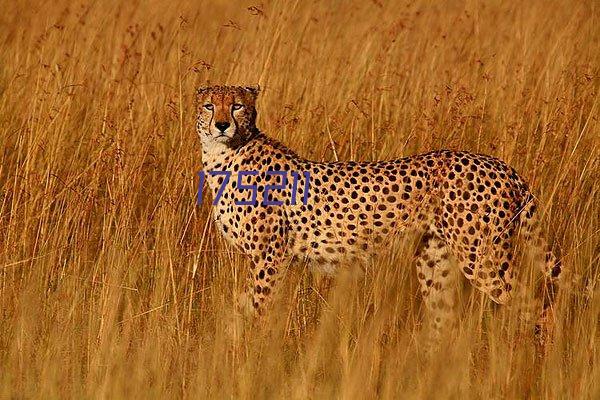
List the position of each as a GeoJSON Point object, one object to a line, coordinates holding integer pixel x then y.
{"type": "Point", "coordinates": [237, 106]}
{"type": "Point", "coordinates": [209, 106]}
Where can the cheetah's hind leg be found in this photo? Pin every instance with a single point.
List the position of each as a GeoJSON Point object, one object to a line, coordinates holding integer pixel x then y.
{"type": "Point", "coordinates": [438, 284]}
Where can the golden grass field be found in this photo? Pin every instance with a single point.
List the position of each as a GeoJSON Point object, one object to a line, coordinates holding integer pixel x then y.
{"type": "Point", "coordinates": [114, 284]}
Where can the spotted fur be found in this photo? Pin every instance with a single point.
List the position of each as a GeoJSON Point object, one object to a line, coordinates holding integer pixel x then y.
{"type": "Point", "coordinates": [468, 208]}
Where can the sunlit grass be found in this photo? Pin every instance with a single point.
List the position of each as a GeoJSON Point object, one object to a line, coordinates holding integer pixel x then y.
{"type": "Point", "coordinates": [114, 284]}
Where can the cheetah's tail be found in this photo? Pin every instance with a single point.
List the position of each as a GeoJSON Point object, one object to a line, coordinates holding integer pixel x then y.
{"type": "Point", "coordinates": [532, 233]}
{"type": "Point", "coordinates": [545, 256]}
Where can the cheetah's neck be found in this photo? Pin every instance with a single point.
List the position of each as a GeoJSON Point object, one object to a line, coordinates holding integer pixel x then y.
{"type": "Point", "coordinates": [218, 157]}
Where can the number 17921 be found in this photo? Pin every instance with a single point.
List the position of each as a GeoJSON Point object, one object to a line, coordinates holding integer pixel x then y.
{"type": "Point", "coordinates": [253, 188]}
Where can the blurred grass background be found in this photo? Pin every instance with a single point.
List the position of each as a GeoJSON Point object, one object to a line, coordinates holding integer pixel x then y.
{"type": "Point", "coordinates": [114, 284]}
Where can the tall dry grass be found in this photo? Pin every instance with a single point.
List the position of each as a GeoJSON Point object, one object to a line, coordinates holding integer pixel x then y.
{"type": "Point", "coordinates": [113, 284]}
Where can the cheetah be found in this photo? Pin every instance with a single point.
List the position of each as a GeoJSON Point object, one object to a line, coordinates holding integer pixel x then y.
{"type": "Point", "coordinates": [468, 209]}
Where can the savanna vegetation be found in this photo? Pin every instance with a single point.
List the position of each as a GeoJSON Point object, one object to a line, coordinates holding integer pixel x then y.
{"type": "Point", "coordinates": [115, 284]}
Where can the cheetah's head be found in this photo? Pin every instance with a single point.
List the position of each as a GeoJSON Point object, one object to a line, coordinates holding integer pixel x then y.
{"type": "Point", "coordinates": [226, 115]}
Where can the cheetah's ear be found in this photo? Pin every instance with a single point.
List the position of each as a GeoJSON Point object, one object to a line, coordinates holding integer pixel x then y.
{"type": "Point", "coordinates": [254, 90]}
{"type": "Point", "coordinates": [201, 91]}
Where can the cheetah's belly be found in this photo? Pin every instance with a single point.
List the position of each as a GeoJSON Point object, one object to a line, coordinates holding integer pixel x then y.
{"type": "Point", "coordinates": [349, 237]}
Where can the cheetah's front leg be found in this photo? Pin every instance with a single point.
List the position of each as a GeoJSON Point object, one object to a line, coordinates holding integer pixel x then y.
{"type": "Point", "coordinates": [268, 255]}
{"type": "Point", "coordinates": [263, 279]}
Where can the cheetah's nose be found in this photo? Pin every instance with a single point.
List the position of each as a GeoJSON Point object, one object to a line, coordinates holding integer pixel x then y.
{"type": "Point", "coordinates": [222, 126]}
